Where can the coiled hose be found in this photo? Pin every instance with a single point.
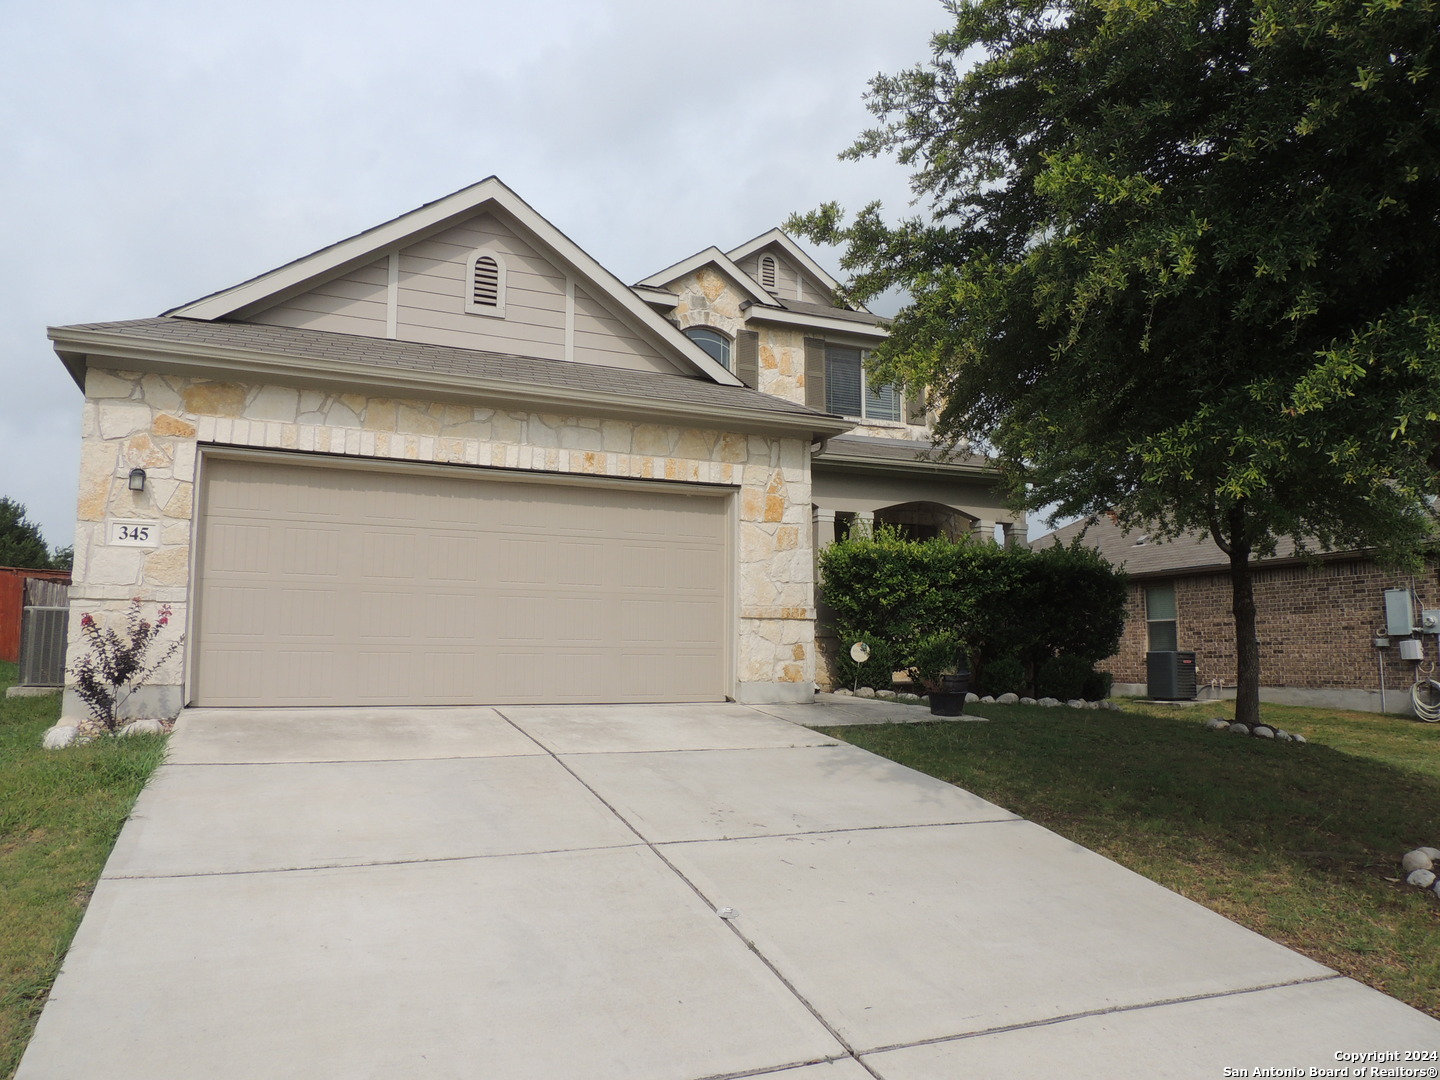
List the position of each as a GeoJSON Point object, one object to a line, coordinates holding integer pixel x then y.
{"type": "Point", "coordinates": [1429, 713]}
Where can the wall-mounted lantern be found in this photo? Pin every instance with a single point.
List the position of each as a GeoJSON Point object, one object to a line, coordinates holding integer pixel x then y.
{"type": "Point", "coordinates": [137, 479]}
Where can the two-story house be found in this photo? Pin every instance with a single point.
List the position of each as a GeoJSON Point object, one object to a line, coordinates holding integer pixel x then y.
{"type": "Point", "coordinates": [454, 460]}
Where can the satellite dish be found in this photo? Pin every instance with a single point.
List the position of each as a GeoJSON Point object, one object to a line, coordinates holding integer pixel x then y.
{"type": "Point", "coordinates": [860, 652]}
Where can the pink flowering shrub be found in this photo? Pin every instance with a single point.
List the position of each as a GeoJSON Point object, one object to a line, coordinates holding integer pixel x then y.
{"type": "Point", "coordinates": [116, 663]}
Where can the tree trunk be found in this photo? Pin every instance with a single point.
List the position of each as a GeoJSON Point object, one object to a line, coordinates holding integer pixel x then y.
{"type": "Point", "coordinates": [1247, 646]}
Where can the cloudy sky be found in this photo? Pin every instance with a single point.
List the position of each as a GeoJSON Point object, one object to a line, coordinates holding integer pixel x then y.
{"type": "Point", "coordinates": [152, 152]}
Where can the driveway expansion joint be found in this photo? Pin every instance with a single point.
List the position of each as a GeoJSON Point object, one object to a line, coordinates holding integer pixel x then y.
{"type": "Point", "coordinates": [1137, 1007]}
{"type": "Point", "coordinates": [850, 1051]}
{"type": "Point", "coordinates": [834, 832]}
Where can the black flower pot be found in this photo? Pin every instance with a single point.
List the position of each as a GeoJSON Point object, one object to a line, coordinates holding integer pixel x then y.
{"type": "Point", "coordinates": [945, 703]}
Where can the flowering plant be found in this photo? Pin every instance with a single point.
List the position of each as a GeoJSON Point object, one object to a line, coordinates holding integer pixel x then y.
{"type": "Point", "coordinates": [117, 664]}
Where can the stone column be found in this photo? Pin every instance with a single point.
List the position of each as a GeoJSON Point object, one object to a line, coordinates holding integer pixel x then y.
{"type": "Point", "coordinates": [1016, 534]}
{"type": "Point", "coordinates": [864, 523]}
{"type": "Point", "coordinates": [981, 529]}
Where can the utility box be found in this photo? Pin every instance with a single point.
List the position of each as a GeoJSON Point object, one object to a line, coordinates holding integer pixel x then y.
{"type": "Point", "coordinates": [42, 646]}
{"type": "Point", "coordinates": [1412, 649]}
{"type": "Point", "coordinates": [1170, 676]}
{"type": "Point", "coordinates": [1399, 612]}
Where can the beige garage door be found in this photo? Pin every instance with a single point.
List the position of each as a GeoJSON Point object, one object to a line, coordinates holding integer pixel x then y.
{"type": "Point", "coordinates": [355, 586]}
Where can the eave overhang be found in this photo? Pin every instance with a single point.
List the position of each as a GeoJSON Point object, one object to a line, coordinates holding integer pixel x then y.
{"type": "Point", "coordinates": [80, 349]}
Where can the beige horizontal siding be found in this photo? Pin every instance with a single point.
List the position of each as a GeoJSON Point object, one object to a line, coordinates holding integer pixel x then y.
{"type": "Point", "coordinates": [352, 304]}
{"type": "Point", "coordinates": [602, 339]}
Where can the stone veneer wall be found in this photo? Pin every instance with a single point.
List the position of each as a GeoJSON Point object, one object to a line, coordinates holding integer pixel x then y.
{"type": "Point", "coordinates": [1316, 626]}
{"type": "Point", "coordinates": [158, 423]}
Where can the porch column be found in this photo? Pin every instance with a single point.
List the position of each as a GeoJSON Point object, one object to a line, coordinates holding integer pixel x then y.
{"type": "Point", "coordinates": [864, 523]}
{"type": "Point", "coordinates": [981, 529]}
{"type": "Point", "coordinates": [824, 525]}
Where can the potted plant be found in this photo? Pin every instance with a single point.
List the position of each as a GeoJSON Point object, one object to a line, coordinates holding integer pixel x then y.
{"type": "Point", "coordinates": [942, 669]}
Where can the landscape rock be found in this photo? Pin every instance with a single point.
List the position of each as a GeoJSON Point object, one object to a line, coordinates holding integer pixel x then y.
{"type": "Point", "coordinates": [1092, 704]}
{"type": "Point", "coordinates": [909, 698]}
{"type": "Point", "coordinates": [971, 698]}
{"type": "Point", "coordinates": [888, 695]}
{"type": "Point", "coordinates": [1284, 736]}
{"type": "Point", "coordinates": [1299, 738]}
{"type": "Point", "coordinates": [1217, 723]}
{"type": "Point", "coordinates": [1423, 878]}
{"type": "Point", "coordinates": [1239, 729]}
{"type": "Point", "coordinates": [1008, 699]}
{"type": "Point", "coordinates": [1263, 732]}
{"type": "Point", "coordinates": [1075, 703]}
{"type": "Point", "coordinates": [1416, 860]}
{"type": "Point", "coordinates": [59, 737]}
{"type": "Point", "coordinates": [987, 700]}
{"type": "Point", "coordinates": [143, 727]}
{"type": "Point", "coordinates": [843, 692]}
{"type": "Point", "coordinates": [1434, 853]}
{"type": "Point", "coordinates": [865, 692]}
{"type": "Point", "coordinates": [1048, 702]}
{"type": "Point", "coordinates": [1027, 701]}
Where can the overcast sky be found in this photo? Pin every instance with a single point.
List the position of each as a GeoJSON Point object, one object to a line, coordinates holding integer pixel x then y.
{"type": "Point", "coordinates": [154, 152]}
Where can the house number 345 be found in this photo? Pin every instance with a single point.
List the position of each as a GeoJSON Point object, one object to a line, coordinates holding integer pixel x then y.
{"type": "Point", "coordinates": [134, 533]}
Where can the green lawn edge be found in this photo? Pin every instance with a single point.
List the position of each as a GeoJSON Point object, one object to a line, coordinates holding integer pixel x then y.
{"type": "Point", "coordinates": [60, 812]}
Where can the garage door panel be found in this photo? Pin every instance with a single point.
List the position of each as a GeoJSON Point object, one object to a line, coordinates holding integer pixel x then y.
{"type": "Point", "coordinates": [463, 590]}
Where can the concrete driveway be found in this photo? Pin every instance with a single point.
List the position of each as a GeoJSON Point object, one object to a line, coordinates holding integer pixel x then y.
{"type": "Point", "coordinates": [637, 892]}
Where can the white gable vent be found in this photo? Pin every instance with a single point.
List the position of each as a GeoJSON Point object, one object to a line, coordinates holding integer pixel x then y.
{"type": "Point", "coordinates": [768, 273]}
{"type": "Point", "coordinates": [486, 284]}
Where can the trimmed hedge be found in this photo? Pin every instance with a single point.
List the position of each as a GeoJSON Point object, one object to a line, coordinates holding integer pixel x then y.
{"type": "Point", "coordinates": [1018, 611]}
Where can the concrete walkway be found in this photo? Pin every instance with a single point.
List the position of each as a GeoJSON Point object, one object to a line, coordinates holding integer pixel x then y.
{"type": "Point", "coordinates": [637, 892]}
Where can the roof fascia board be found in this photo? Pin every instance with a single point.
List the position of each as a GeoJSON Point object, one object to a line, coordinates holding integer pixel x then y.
{"type": "Point", "coordinates": [711, 255]}
{"type": "Point", "coordinates": [817, 322]}
{"type": "Point", "coordinates": [779, 238]}
{"type": "Point", "coordinates": [945, 468]}
{"type": "Point", "coordinates": [77, 347]}
{"type": "Point", "coordinates": [430, 218]}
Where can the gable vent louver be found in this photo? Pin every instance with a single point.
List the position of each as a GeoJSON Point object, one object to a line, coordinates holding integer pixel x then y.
{"type": "Point", "coordinates": [486, 286]}
{"type": "Point", "coordinates": [767, 273]}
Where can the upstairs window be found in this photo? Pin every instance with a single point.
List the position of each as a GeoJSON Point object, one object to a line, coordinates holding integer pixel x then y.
{"type": "Point", "coordinates": [485, 285]}
{"type": "Point", "coordinates": [769, 273]}
{"type": "Point", "coordinates": [712, 341]}
{"type": "Point", "coordinates": [847, 389]}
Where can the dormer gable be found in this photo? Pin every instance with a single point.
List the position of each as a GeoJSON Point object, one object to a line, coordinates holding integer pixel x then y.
{"type": "Point", "coordinates": [478, 269]}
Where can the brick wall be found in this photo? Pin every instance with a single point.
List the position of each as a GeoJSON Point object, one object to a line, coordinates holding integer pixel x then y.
{"type": "Point", "coordinates": [1316, 625]}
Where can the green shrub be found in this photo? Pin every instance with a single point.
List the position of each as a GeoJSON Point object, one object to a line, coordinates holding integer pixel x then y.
{"type": "Point", "coordinates": [1004, 675]}
{"type": "Point", "coordinates": [878, 672]}
{"type": "Point", "coordinates": [936, 655]}
{"type": "Point", "coordinates": [1003, 602]}
{"type": "Point", "coordinates": [1097, 686]}
{"type": "Point", "coordinates": [1063, 677]}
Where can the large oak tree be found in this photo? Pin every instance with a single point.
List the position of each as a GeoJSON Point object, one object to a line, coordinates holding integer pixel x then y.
{"type": "Point", "coordinates": [1177, 258]}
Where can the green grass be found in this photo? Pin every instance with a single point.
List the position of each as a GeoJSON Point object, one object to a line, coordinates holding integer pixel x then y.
{"type": "Point", "coordinates": [1299, 843]}
{"type": "Point", "coordinates": [60, 812]}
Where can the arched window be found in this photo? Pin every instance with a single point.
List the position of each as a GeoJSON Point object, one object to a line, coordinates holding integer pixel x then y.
{"type": "Point", "coordinates": [768, 273]}
{"type": "Point", "coordinates": [712, 341]}
{"type": "Point", "coordinates": [485, 285]}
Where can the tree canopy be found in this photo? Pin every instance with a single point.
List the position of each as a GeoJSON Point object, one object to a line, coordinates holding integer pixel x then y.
{"type": "Point", "coordinates": [1180, 259]}
{"type": "Point", "coordinates": [21, 543]}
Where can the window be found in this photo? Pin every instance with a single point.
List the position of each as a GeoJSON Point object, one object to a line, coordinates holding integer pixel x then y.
{"type": "Point", "coordinates": [1160, 618]}
{"type": "Point", "coordinates": [847, 390]}
{"type": "Point", "coordinates": [712, 341]}
{"type": "Point", "coordinates": [485, 285]}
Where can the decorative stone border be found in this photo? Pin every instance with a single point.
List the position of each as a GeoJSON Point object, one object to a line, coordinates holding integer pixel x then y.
{"type": "Point", "coordinates": [1418, 866]}
{"type": "Point", "coordinates": [63, 735]}
{"type": "Point", "coordinates": [973, 699]}
{"type": "Point", "coordinates": [1259, 731]}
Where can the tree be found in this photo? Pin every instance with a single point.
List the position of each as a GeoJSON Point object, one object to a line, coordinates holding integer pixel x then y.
{"type": "Point", "coordinates": [1180, 261]}
{"type": "Point", "coordinates": [20, 541]}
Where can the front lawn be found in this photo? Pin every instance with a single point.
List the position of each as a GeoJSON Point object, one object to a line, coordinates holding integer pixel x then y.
{"type": "Point", "coordinates": [60, 811]}
{"type": "Point", "coordinates": [1299, 843]}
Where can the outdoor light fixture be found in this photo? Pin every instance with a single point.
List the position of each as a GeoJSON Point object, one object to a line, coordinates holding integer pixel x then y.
{"type": "Point", "coordinates": [137, 479]}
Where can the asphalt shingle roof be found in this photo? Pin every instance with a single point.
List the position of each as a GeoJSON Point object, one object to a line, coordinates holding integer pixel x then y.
{"type": "Point", "coordinates": [382, 353]}
{"type": "Point", "coordinates": [1137, 553]}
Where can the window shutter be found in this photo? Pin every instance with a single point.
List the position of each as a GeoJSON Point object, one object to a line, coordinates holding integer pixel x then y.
{"type": "Point", "coordinates": [815, 373]}
{"type": "Point", "coordinates": [915, 404]}
{"type": "Point", "coordinates": [747, 358]}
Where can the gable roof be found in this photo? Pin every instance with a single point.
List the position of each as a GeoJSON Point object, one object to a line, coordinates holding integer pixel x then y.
{"type": "Point", "coordinates": [778, 238]}
{"type": "Point", "coordinates": [710, 256]}
{"type": "Point", "coordinates": [322, 357]}
{"type": "Point", "coordinates": [489, 194]}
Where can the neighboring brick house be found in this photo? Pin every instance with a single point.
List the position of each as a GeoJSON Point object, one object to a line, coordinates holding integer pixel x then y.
{"type": "Point", "coordinates": [454, 460]}
{"type": "Point", "coordinates": [1317, 619]}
